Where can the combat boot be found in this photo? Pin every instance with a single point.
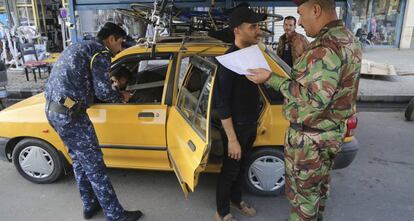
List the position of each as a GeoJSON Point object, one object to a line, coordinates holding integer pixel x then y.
{"type": "Point", "coordinates": [87, 214]}
{"type": "Point", "coordinates": [131, 215]}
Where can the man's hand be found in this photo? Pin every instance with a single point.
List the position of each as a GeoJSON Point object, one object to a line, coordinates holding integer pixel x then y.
{"type": "Point", "coordinates": [125, 96]}
{"type": "Point", "coordinates": [259, 75]}
{"type": "Point", "coordinates": [234, 149]}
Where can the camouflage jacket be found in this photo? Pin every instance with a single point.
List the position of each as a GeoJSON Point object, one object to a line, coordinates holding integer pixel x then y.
{"type": "Point", "coordinates": [324, 81]}
{"type": "Point", "coordinates": [298, 42]}
{"type": "Point", "coordinates": [81, 73]}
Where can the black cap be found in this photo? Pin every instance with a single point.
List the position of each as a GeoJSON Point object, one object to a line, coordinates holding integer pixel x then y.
{"type": "Point", "coordinates": [113, 29]}
{"type": "Point", "coordinates": [299, 2]}
{"type": "Point", "coordinates": [230, 10]}
{"type": "Point", "coordinates": [244, 15]}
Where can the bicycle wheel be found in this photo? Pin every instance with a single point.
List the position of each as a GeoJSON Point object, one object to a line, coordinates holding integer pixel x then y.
{"type": "Point", "coordinates": [140, 15]}
{"type": "Point", "coordinates": [273, 18]}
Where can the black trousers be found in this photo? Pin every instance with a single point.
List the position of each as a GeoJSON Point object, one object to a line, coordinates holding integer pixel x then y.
{"type": "Point", "coordinates": [230, 181]}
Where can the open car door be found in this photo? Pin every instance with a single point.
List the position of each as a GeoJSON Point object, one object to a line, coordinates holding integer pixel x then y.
{"type": "Point", "coordinates": [188, 125]}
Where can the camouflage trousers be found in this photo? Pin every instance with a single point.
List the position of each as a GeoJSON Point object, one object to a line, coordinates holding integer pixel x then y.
{"type": "Point", "coordinates": [308, 161]}
{"type": "Point", "coordinates": [78, 135]}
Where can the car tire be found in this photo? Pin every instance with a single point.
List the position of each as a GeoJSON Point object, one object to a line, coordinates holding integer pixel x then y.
{"type": "Point", "coordinates": [265, 172]}
{"type": "Point", "coordinates": [409, 112]}
{"type": "Point", "coordinates": [37, 161]}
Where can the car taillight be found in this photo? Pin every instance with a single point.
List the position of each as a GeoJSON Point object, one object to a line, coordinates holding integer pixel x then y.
{"type": "Point", "coordinates": [351, 124]}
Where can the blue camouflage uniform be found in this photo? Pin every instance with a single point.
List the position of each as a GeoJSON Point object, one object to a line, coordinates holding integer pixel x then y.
{"type": "Point", "coordinates": [81, 73]}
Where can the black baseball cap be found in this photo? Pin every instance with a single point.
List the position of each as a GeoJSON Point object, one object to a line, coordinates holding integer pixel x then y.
{"type": "Point", "coordinates": [113, 28]}
{"type": "Point", "coordinates": [299, 2]}
{"type": "Point", "coordinates": [244, 15]}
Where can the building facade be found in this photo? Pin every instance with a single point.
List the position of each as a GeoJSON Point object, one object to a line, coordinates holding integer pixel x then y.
{"type": "Point", "coordinates": [385, 23]}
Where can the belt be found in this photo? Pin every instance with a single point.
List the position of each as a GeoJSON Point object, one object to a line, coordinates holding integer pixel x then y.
{"type": "Point", "coordinates": [59, 108]}
{"type": "Point", "coordinates": [246, 123]}
{"type": "Point", "coordinates": [304, 128]}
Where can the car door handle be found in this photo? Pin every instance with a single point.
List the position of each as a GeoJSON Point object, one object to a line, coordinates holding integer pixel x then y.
{"type": "Point", "coordinates": [191, 145]}
{"type": "Point", "coordinates": [146, 115]}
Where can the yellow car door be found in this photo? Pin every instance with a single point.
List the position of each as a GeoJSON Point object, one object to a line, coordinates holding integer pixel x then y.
{"type": "Point", "coordinates": [133, 135]}
{"type": "Point", "coordinates": [188, 124]}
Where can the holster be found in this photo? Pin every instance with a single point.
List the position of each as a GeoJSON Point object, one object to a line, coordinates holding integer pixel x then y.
{"type": "Point", "coordinates": [75, 109]}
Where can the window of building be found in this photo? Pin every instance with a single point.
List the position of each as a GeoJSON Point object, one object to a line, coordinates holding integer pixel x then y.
{"type": "Point", "coordinates": [377, 20]}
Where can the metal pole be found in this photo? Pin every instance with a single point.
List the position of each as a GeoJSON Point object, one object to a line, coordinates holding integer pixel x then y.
{"type": "Point", "coordinates": [72, 19]}
{"type": "Point", "coordinates": [348, 14]}
{"type": "Point", "coordinates": [8, 11]}
{"type": "Point", "coordinates": [13, 8]}
{"type": "Point", "coordinates": [35, 13]}
{"type": "Point", "coordinates": [43, 16]}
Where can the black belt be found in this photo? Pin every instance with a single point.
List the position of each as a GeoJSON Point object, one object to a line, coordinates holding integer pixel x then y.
{"type": "Point", "coordinates": [252, 123]}
{"type": "Point", "coordinates": [304, 128]}
{"type": "Point", "coordinates": [59, 108]}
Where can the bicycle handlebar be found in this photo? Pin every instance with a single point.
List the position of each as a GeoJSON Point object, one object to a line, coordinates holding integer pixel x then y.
{"type": "Point", "coordinates": [163, 5]}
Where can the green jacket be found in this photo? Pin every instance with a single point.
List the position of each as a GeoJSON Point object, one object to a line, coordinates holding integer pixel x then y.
{"type": "Point", "coordinates": [324, 81]}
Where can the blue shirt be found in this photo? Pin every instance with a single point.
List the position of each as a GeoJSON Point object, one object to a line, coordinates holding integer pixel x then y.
{"type": "Point", "coordinates": [81, 73]}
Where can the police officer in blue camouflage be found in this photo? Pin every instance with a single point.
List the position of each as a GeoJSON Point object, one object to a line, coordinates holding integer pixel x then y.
{"type": "Point", "coordinates": [81, 74]}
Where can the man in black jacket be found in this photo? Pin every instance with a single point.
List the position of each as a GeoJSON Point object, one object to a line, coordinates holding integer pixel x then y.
{"type": "Point", "coordinates": [237, 104]}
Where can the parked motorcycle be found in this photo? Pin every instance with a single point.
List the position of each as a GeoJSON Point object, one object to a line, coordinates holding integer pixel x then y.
{"type": "Point", "coordinates": [363, 37]}
{"type": "Point", "coordinates": [409, 111]}
{"type": "Point", "coordinates": [3, 83]}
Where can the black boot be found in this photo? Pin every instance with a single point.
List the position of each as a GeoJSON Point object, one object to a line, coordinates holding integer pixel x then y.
{"type": "Point", "coordinates": [131, 216]}
{"type": "Point", "coordinates": [87, 214]}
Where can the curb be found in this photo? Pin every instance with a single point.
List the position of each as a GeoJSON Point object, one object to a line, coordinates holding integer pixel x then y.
{"type": "Point", "coordinates": [385, 98]}
{"type": "Point", "coordinates": [22, 94]}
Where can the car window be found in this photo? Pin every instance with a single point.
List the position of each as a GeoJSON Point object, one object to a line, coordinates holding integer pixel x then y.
{"type": "Point", "coordinates": [193, 100]}
{"type": "Point", "coordinates": [183, 69]}
{"type": "Point", "coordinates": [151, 64]}
{"type": "Point", "coordinates": [146, 77]}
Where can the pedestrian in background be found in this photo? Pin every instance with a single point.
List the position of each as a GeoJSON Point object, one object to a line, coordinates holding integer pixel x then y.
{"type": "Point", "coordinates": [291, 44]}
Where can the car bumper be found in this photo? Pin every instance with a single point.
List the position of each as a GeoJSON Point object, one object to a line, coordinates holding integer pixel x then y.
{"type": "Point", "coordinates": [3, 144]}
{"type": "Point", "coordinates": [347, 154]}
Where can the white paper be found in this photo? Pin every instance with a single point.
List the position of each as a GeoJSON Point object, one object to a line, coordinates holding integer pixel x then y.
{"type": "Point", "coordinates": [241, 60]}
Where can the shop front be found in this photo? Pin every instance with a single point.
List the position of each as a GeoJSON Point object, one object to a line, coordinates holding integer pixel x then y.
{"type": "Point", "coordinates": [378, 21]}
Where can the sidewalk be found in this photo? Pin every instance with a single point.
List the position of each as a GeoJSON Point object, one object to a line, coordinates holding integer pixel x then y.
{"type": "Point", "coordinates": [389, 88]}
{"type": "Point", "coordinates": [19, 88]}
{"type": "Point", "coordinates": [371, 88]}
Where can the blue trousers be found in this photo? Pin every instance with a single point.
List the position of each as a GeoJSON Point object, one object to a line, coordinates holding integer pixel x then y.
{"type": "Point", "coordinates": [78, 135]}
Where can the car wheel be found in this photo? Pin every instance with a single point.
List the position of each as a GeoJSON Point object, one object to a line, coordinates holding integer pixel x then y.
{"type": "Point", "coordinates": [265, 172]}
{"type": "Point", "coordinates": [37, 161]}
{"type": "Point", "coordinates": [409, 112]}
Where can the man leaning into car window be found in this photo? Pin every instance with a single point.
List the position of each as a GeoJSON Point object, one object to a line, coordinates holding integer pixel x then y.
{"type": "Point", "coordinates": [237, 104]}
{"type": "Point", "coordinates": [80, 74]}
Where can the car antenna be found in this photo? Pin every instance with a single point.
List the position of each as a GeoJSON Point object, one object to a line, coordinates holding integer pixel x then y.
{"type": "Point", "coordinates": [186, 38]}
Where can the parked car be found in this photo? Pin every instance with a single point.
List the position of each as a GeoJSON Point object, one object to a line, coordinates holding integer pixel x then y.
{"type": "Point", "coordinates": [169, 124]}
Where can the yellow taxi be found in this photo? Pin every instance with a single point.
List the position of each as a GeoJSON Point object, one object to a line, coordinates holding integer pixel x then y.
{"type": "Point", "coordinates": [169, 123]}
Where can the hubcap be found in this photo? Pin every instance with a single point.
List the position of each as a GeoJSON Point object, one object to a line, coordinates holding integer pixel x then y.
{"type": "Point", "coordinates": [267, 173]}
{"type": "Point", "coordinates": [36, 162]}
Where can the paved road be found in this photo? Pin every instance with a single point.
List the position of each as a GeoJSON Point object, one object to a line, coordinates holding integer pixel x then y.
{"type": "Point", "coordinates": [378, 186]}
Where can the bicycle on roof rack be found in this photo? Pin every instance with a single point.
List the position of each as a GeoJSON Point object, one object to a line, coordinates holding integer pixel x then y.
{"type": "Point", "coordinates": [164, 19]}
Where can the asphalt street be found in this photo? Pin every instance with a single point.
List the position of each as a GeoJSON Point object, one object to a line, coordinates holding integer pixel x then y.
{"type": "Point", "coordinates": [378, 186]}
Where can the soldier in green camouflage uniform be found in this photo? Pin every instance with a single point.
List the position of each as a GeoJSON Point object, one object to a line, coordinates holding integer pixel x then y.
{"type": "Point", "coordinates": [319, 98]}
